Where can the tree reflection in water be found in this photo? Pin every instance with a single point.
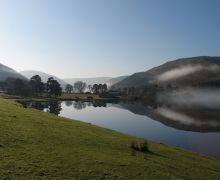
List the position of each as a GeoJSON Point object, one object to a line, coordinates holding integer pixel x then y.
{"type": "Point", "coordinates": [54, 107]}
{"type": "Point", "coordinates": [79, 105]}
{"type": "Point", "coordinates": [196, 119]}
{"type": "Point", "coordinates": [68, 103]}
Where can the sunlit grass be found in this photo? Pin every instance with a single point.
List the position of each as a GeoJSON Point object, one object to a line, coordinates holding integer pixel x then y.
{"type": "Point", "coordinates": [38, 145]}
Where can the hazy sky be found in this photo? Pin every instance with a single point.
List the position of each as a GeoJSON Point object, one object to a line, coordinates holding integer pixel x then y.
{"type": "Point", "coordinates": [88, 38]}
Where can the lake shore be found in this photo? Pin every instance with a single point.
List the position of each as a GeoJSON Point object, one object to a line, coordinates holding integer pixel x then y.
{"type": "Point", "coordinates": [64, 97]}
{"type": "Point", "coordinates": [35, 145]}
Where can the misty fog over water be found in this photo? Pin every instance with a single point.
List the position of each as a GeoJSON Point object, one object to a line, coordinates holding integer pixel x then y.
{"type": "Point", "coordinates": [193, 97]}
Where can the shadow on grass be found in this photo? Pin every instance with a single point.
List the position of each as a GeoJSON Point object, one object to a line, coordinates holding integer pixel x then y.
{"type": "Point", "coordinates": [143, 147]}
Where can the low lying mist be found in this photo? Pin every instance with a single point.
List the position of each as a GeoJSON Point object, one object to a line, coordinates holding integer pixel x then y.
{"type": "Point", "coordinates": [185, 70]}
{"type": "Point", "coordinates": [194, 97]}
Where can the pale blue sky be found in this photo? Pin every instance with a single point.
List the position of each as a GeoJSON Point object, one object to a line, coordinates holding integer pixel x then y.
{"type": "Point", "coordinates": [88, 38]}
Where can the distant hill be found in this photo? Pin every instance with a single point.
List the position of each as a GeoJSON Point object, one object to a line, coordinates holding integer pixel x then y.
{"type": "Point", "coordinates": [96, 80]}
{"type": "Point", "coordinates": [115, 80]}
{"type": "Point", "coordinates": [135, 80]}
{"type": "Point", "coordinates": [180, 72]}
{"type": "Point", "coordinates": [6, 72]}
{"type": "Point", "coordinates": [88, 81]}
{"type": "Point", "coordinates": [44, 76]}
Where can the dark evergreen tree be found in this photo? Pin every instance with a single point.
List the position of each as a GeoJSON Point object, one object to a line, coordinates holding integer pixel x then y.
{"type": "Point", "coordinates": [95, 88]}
{"type": "Point", "coordinates": [37, 86]}
{"type": "Point", "coordinates": [53, 87]}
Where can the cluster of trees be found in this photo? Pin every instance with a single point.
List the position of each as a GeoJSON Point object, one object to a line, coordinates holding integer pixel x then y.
{"type": "Point", "coordinates": [99, 88]}
{"type": "Point", "coordinates": [33, 87]}
{"type": "Point", "coordinates": [16, 87]}
{"type": "Point", "coordinates": [139, 91]}
{"type": "Point", "coordinates": [80, 87]}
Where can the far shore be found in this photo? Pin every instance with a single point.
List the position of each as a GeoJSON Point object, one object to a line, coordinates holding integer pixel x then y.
{"type": "Point", "coordinates": [64, 97]}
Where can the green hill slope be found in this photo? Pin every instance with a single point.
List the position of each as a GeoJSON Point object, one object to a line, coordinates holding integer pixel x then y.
{"type": "Point", "coordinates": [180, 72]}
{"type": "Point", "coordinates": [38, 145]}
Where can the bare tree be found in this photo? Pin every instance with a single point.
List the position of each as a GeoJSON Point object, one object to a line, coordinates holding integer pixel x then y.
{"type": "Point", "coordinates": [79, 86]}
{"type": "Point", "coordinates": [69, 88]}
{"type": "Point", "coordinates": [89, 88]}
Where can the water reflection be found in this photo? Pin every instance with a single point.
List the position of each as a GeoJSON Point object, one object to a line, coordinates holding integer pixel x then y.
{"type": "Point", "coordinates": [68, 103]}
{"type": "Point", "coordinates": [194, 109]}
{"type": "Point", "coordinates": [194, 127]}
{"type": "Point", "coordinates": [198, 119]}
{"type": "Point", "coordinates": [79, 105]}
{"type": "Point", "coordinates": [53, 107]}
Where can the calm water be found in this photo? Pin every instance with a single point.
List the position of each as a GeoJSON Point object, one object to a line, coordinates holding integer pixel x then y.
{"type": "Point", "coordinates": [196, 129]}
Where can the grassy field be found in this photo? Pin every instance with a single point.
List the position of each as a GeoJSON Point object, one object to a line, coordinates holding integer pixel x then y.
{"type": "Point", "coordinates": [38, 145]}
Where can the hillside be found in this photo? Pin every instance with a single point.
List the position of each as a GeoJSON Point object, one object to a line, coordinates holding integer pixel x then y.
{"type": "Point", "coordinates": [180, 72]}
{"type": "Point", "coordinates": [39, 145]}
{"type": "Point", "coordinates": [115, 80]}
{"type": "Point", "coordinates": [135, 80]}
{"type": "Point", "coordinates": [6, 72]}
{"type": "Point", "coordinates": [44, 76]}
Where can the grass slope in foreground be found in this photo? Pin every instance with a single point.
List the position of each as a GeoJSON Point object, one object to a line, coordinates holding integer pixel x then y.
{"type": "Point", "coordinates": [38, 145]}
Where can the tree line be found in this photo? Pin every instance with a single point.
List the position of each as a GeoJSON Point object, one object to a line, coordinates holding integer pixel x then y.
{"type": "Point", "coordinates": [80, 87]}
{"type": "Point", "coordinates": [32, 87]}
{"type": "Point", "coordinates": [36, 87]}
